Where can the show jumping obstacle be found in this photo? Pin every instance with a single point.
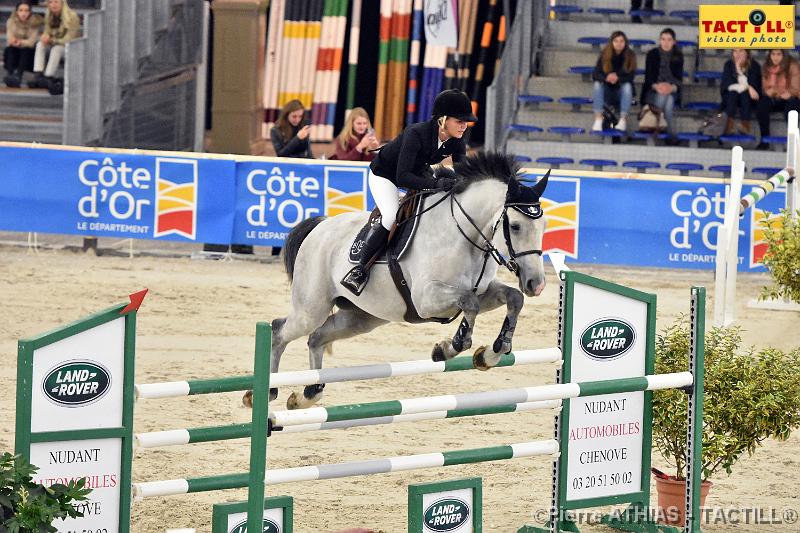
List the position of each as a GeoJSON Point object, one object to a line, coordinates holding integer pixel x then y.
{"type": "Point", "coordinates": [736, 206]}
{"type": "Point", "coordinates": [606, 338]}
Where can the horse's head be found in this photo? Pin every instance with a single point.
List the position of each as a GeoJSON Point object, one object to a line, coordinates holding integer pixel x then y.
{"type": "Point", "coordinates": [523, 232]}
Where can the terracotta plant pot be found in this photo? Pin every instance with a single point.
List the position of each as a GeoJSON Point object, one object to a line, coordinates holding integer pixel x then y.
{"type": "Point", "coordinates": [672, 497]}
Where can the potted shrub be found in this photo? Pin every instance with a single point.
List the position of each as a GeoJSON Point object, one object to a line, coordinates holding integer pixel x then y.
{"type": "Point", "coordinates": [27, 507]}
{"type": "Point", "coordinates": [750, 396]}
{"type": "Point", "coordinates": [782, 257]}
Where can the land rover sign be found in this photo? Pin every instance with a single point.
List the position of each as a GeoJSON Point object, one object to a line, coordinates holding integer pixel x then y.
{"type": "Point", "coordinates": [446, 515]}
{"type": "Point", "coordinates": [76, 383]}
{"type": "Point", "coordinates": [608, 338]}
{"type": "Point", "coordinates": [269, 527]}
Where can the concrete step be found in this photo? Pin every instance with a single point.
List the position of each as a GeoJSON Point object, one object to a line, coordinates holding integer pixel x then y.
{"type": "Point", "coordinates": [573, 85]}
{"type": "Point", "coordinates": [663, 5]}
{"type": "Point", "coordinates": [556, 61]}
{"type": "Point", "coordinates": [565, 33]}
{"type": "Point", "coordinates": [31, 102]}
{"type": "Point", "coordinates": [630, 152]}
{"type": "Point", "coordinates": [27, 129]}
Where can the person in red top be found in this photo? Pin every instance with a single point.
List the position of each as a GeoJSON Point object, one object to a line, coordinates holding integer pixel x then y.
{"type": "Point", "coordinates": [357, 138]}
{"type": "Point", "coordinates": [781, 89]}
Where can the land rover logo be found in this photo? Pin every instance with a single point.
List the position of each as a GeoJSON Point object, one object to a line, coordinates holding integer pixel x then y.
{"type": "Point", "coordinates": [269, 527]}
{"type": "Point", "coordinates": [76, 383]}
{"type": "Point", "coordinates": [446, 514]}
{"type": "Point", "coordinates": [607, 339]}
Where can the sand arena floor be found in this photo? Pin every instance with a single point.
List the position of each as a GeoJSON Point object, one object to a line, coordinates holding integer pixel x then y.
{"type": "Point", "coordinates": [199, 321]}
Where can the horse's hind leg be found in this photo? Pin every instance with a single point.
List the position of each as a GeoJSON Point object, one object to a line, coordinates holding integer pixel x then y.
{"type": "Point", "coordinates": [340, 325]}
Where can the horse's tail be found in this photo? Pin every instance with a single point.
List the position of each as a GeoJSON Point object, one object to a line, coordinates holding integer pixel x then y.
{"type": "Point", "coordinates": [293, 241]}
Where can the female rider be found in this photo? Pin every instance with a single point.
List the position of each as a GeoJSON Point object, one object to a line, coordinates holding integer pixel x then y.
{"type": "Point", "coordinates": [406, 163]}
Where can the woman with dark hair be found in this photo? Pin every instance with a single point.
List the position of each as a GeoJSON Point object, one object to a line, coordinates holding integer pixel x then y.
{"type": "Point", "coordinates": [613, 80]}
{"type": "Point", "coordinates": [663, 75]}
{"type": "Point", "coordinates": [22, 33]}
{"type": "Point", "coordinates": [780, 80]}
{"type": "Point", "coordinates": [740, 88]}
{"type": "Point", "coordinates": [405, 162]}
{"type": "Point", "coordinates": [289, 135]}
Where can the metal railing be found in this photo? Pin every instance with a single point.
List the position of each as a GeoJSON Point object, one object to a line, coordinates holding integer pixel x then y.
{"type": "Point", "coordinates": [516, 66]}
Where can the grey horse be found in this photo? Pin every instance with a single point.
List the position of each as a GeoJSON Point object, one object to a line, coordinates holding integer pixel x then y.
{"type": "Point", "coordinates": [451, 267]}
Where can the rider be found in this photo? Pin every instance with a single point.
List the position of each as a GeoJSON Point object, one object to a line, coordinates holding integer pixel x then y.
{"type": "Point", "coordinates": [406, 163]}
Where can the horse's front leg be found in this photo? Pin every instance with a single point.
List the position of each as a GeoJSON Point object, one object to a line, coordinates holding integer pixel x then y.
{"type": "Point", "coordinates": [496, 295]}
{"type": "Point", "coordinates": [465, 300]}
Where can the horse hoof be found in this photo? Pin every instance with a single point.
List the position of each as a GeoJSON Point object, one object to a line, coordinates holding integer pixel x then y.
{"type": "Point", "coordinates": [478, 360]}
{"type": "Point", "coordinates": [247, 399]}
{"type": "Point", "coordinates": [438, 353]}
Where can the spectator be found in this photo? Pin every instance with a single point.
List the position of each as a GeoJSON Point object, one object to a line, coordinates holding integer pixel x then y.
{"type": "Point", "coordinates": [740, 87]}
{"type": "Point", "coordinates": [61, 25]}
{"type": "Point", "coordinates": [290, 134]}
{"type": "Point", "coordinates": [780, 87]}
{"type": "Point", "coordinates": [357, 138]}
{"type": "Point", "coordinates": [637, 5]}
{"type": "Point", "coordinates": [663, 76]}
{"type": "Point", "coordinates": [613, 80]}
{"type": "Point", "coordinates": [22, 32]}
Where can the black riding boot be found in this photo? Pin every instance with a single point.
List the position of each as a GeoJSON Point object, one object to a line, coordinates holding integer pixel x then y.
{"type": "Point", "coordinates": [357, 278]}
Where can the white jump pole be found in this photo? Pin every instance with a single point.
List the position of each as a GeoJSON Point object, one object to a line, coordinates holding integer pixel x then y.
{"type": "Point", "coordinates": [792, 152]}
{"type": "Point", "coordinates": [728, 246]}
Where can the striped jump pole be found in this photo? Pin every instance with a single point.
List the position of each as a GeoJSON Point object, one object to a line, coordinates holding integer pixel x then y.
{"type": "Point", "coordinates": [355, 468]}
{"type": "Point", "coordinates": [178, 437]}
{"type": "Point", "coordinates": [318, 415]}
{"type": "Point", "coordinates": [176, 389]}
{"type": "Point", "coordinates": [750, 199]}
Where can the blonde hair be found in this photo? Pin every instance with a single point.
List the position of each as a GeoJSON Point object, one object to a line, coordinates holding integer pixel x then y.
{"type": "Point", "coordinates": [441, 120]}
{"type": "Point", "coordinates": [67, 15]}
{"type": "Point", "coordinates": [347, 135]}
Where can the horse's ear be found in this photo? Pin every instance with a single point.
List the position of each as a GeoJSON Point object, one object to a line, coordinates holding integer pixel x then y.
{"type": "Point", "coordinates": [541, 185]}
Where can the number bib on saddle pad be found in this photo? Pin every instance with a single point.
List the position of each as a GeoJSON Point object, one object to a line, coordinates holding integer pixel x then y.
{"type": "Point", "coordinates": [401, 234]}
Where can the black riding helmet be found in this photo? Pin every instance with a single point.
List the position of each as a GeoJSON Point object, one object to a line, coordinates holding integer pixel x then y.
{"type": "Point", "coordinates": [453, 103]}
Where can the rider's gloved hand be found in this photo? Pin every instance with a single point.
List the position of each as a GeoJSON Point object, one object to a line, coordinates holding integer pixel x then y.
{"type": "Point", "coordinates": [445, 184]}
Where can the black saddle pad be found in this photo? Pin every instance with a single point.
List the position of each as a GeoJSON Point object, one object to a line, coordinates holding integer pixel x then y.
{"type": "Point", "coordinates": [401, 239]}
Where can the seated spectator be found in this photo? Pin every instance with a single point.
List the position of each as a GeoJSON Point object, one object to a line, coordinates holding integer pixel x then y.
{"type": "Point", "coordinates": [61, 25]}
{"type": "Point", "coordinates": [22, 33]}
{"type": "Point", "coordinates": [290, 134]}
{"type": "Point", "coordinates": [740, 88]}
{"type": "Point", "coordinates": [636, 5]}
{"type": "Point", "coordinates": [663, 76]}
{"type": "Point", "coordinates": [613, 80]}
{"type": "Point", "coordinates": [780, 80]}
{"type": "Point", "coordinates": [357, 138]}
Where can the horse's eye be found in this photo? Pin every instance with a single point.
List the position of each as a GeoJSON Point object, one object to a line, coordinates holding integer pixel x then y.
{"type": "Point", "coordinates": [515, 227]}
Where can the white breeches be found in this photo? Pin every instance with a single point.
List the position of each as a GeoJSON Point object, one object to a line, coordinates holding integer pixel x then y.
{"type": "Point", "coordinates": [387, 198]}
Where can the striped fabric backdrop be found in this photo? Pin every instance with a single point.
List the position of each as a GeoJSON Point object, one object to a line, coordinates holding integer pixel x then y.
{"type": "Point", "coordinates": [487, 36]}
{"type": "Point", "coordinates": [384, 29]}
{"type": "Point", "coordinates": [329, 67]}
{"type": "Point", "coordinates": [273, 60]}
{"type": "Point", "coordinates": [398, 67]}
{"type": "Point", "coordinates": [413, 68]}
{"type": "Point", "coordinates": [352, 60]}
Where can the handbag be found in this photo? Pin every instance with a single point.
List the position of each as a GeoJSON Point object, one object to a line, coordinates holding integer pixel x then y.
{"type": "Point", "coordinates": [714, 125]}
{"type": "Point", "coordinates": [651, 119]}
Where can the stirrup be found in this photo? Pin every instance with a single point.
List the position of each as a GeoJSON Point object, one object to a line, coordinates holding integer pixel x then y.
{"type": "Point", "coordinates": [356, 279]}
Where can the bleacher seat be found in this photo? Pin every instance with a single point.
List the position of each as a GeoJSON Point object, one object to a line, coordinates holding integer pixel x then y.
{"type": "Point", "coordinates": [595, 42]}
{"type": "Point", "coordinates": [565, 11]}
{"type": "Point", "coordinates": [608, 135]}
{"type": "Point", "coordinates": [566, 131]}
{"type": "Point", "coordinates": [684, 168]}
{"type": "Point", "coordinates": [688, 15]}
{"type": "Point", "coordinates": [584, 71]}
{"type": "Point", "coordinates": [724, 169]}
{"type": "Point", "coordinates": [522, 159]}
{"type": "Point", "coordinates": [641, 166]}
{"type": "Point", "coordinates": [575, 101]}
{"type": "Point", "coordinates": [686, 44]}
{"type": "Point", "coordinates": [738, 138]}
{"type": "Point", "coordinates": [555, 162]}
{"type": "Point", "coordinates": [637, 44]}
{"type": "Point", "coordinates": [776, 140]}
{"type": "Point", "coordinates": [648, 136]}
{"type": "Point", "coordinates": [534, 100]}
{"type": "Point", "coordinates": [767, 171]}
{"type": "Point", "coordinates": [527, 129]}
{"type": "Point", "coordinates": [702, 106]}
{"type": "Point", "coordinates": [598, 164]}
{"type": "Point", "coordinates": [693, 138]}
{"type": "Point", "coordinates": [646, 13]}
{"type": "Point", "coordinates": [606, 12]}
{"type": "Point", "coordinates": [711, 76]}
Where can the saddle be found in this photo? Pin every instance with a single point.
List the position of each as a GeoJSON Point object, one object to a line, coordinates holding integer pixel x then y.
{"type": "Point", "coordinates": [399, 241]}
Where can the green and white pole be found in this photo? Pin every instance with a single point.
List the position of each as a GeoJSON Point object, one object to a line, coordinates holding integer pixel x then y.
{"type": "Point", "coordinates": [179, 437]}
{"type": "Point", "coordinates": [258, 441]}
{"type": "Point", "coordinates": [175, 389]}
{"type": "Point", "coordinates": [694, 431]}
{"type": "Point", "coordinates": [427, 404]}
{"type": "Point", "coordinates": [350, 469]}
{"type": "Point", "coordinates": [762, 190]}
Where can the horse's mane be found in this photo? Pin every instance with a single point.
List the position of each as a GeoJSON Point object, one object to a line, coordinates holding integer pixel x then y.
{"type": "Point", "coordinates": [481, 166]}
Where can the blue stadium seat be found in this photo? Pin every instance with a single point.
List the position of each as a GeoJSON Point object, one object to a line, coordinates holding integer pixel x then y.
{"type": "Point", "coordinates": [575, 101]}
{"type": "Point", "coordinates": [526, 129]}
{"type": "Point", "coordinates": [688, 15]}
{"type": "Point", "coordinates": [608, 135]}
{"type": "Point", "coordinates": [533, 99]}
{"type": "Point", "coordinates": [641, 166]}
{"type": "Point", "coordinates": [693, 138]}
{"type": "Point", "coordinates": [606, 11]}
{"type": "Point", "coordinates": [566, 131]}
{"type": "Point", "coordinates": [598, 164]}
{"type": "Point", "coordinates": [649, 137]}
{"type": "Point", "coordinates": [584, 71]}
{"type": "Point", "coordinates": [767, 171]}
{"type": "Point", "coordinates": [565, 11]}
{"type": "Point", "coordinates": [522, 158]}
{"type": "Point", "coordinates": [710, 76]}
{"type": "Point", "coordinates": [725, 169]}
{"type": "Point", "coordinates": [684, 168]}
{"type": "Point", "coordinates": [646, 13]}
{"type": "Point", "coordinates": [555, 162]}
{"type": "Point", "coordinates": [596, 42]}
{"type": "Point", "coordinates": [686, 44]}
{"type": "Point", "coordinates": [702, 106]}
{"type": "Point", "coordinates": [774, 139]}
{"type": "Point", "coordinates": [638, 43]}
{"type": "Point", "coordinates": [737, 139]}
